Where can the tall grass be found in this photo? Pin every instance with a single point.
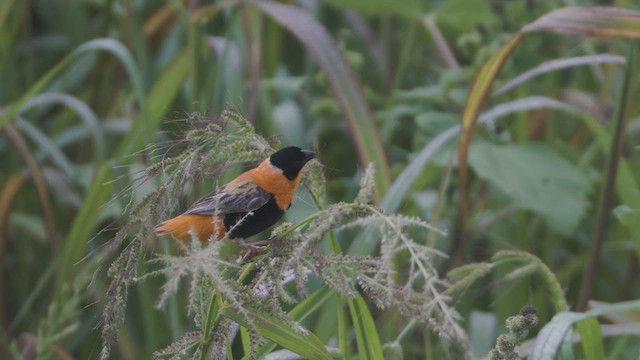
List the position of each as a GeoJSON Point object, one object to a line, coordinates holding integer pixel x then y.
{"type": "Point", "coordinates": [115, 115]}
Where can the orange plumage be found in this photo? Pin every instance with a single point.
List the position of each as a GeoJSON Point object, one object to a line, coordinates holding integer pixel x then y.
{"type": "Point", "coordinates": [249, 204]}
{"type": "Point", "coordinates": [182, 227]}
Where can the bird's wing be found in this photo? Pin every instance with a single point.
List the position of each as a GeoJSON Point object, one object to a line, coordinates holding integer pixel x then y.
{"type": "Point", "coordinates": [236, 197]}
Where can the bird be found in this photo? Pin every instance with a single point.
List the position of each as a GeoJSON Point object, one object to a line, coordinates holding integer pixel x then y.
{"type": "Point", "coordinates": [247, 205]}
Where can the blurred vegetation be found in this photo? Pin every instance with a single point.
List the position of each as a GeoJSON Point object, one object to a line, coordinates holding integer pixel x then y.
{"type": "Point", "coordinates": [511, 127]}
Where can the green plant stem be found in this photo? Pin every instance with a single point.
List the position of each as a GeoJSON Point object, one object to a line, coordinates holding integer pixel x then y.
{"type": "Point", "coordinates": [213, 317]}
{"type": "Point", "coordinates": [37, 176]}
{"type": "Point", "coordinates": [553, 286]}
{"type": "Point", "coordinates": [307, 220]}
{"type": "Point", "coordinates": [406, 331]}
{"type": "Point", "coordinates": [606, 196]}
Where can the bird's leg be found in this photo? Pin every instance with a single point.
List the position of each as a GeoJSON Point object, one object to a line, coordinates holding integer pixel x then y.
{"type": "Point", "coordinates": [254, 248]}
{"type": "Point", "coordinates": [260, 243]}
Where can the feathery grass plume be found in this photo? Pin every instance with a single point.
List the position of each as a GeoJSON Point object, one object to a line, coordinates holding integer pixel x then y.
{"type": "Point", "coordinates": [218, 278]}
{"type": "Point", "coordinates": [367, 186]}
{"type": "Point", "coordinates": [62, 318]}
{"type": "Point", "coordinates": [313, 178]}
{"type": "Point", "coordinates": [210, 147]}
{"type": "Point", "coordinates": [122, 273]}
{"type": "Point", "coordinates": [177, 350]}
{"type": "Point", "coordinates": [419, 295]}
{"type": "Point", "coordinates": [465, 275]}
{"type": "Point", "coordinates": [519, 327]}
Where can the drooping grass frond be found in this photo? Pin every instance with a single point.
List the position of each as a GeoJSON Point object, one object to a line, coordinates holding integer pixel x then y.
{"type": "Point", "coordinates": [218, 277]}
{"type": "Point", "coordinates": [198, 261]}
{"type": "Point", "coordinates": [418, 294]}
{"type": "Point", "coordinates": [177, 350]}
{"type": "Point", "coordinates": [210, 147]}
{"type": "Point", "coordinates": [122, 273]}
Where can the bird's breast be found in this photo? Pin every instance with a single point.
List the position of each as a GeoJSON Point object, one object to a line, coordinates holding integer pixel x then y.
{"type": "Point", "coordinates": [272, 180]}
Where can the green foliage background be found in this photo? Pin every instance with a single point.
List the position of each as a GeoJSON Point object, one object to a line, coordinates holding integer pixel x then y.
{"type": "Point", "coordinates": [88, 87]}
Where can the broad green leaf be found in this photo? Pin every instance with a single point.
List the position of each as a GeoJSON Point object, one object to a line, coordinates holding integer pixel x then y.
{"type": "Point", "coordinates": [308, 345]}
{"type": "Point", "coordinates": [590, 21]}
{"type": "Point", "coordinates": [591, 339]}
{"type": "Point", "coordinates": [346, 89]}
{"type": "Point", "coordinates": [402, 184]}
{"type": "Point", "coordinates": [367, 337]}
{"type": "Point", "coordinates": [535, 178]}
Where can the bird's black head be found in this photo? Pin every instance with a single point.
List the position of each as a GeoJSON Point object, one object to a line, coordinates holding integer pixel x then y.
{"type": "Point", "coordinates": [291, 160]}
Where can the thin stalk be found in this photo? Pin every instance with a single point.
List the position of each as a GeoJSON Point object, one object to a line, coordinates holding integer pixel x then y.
{"type": "Point", "coordinates": [212, 319]}
{"type": "Point", "coordinates": [553, 286]}
{"type": "Point", "coordinates": [448, 56]}
{"type": "Point", "coordinates": [606, 196]}
{"type": "Point", "coordinates": [20, 145]}
{"type": "Point", "coordinates": [406, 331]}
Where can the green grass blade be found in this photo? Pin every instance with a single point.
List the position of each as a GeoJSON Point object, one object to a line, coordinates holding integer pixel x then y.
{"type": "Point", "coordinates": [83, 224]}
{"type": "Point", "coordinates": [163, 92]}
{"type": "Point", "coordinates": [591, 339]}
{"type": "Point", "coordinates": [110, 45]}
{"type": "Point", "coordinates": [299, 313]}
{"type": "Point", "coordinates": [46, 145]}
{"type": "Point", "coordinates": [85, 113]}
{"type": "Point", "coordinates": [343, 331]}
{"type": "Point", "coordinates": [345, 87]}
{"type": "Point", "coordinates": [367, 337]}
{"type": "Point", "coordinates": [311, 303]}
{"type": "Point", "coordinates": [478, 93]}
{"type": "Point", "coordinates": [246, 342]}
{"type": "Point", "coordinates": [633, 305]}
{"type": "Point", "coordinates": [308, 345]}
{"type": "Point", "coordinates": [551, 336]}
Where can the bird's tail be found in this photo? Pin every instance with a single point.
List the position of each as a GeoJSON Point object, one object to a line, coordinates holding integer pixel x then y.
{"type": "Point", "coordinates": [184, 227]}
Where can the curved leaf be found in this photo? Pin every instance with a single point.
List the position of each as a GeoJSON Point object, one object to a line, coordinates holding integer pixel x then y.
{"type": "Point", "coordinates": [347, 91]}
{"type": "Point", "coordinates": [367, 337]}
{"type": "Point", "coordinates": [550, 337]}
{"type": "Point", "coordinates": [308, 345]}
{"type": "Point", "coordinates": [590, 21]}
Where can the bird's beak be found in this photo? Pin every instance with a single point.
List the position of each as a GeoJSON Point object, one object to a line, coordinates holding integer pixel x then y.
{"type": "Point", "coordinates": [308, 155]}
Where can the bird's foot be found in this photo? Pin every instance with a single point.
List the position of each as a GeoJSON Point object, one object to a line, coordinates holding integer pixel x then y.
{"type": "Point", "coordinates": [254, 248]}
